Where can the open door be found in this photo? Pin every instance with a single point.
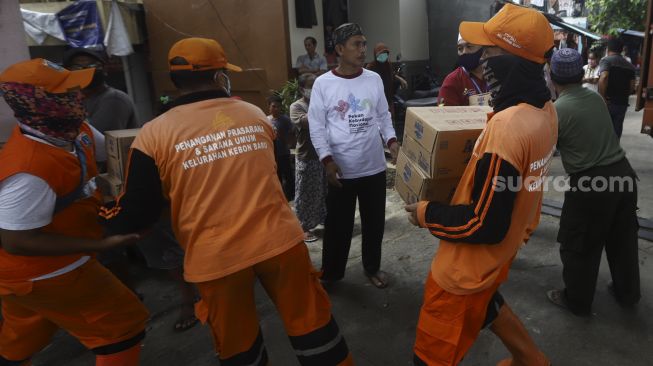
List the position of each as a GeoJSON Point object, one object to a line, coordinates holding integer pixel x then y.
{"type": "Point", "coordinates": [645, 89]}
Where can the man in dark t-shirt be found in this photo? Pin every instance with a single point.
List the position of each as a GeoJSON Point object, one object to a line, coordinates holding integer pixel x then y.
{"type": "Point", "coordinates": [108, 108]}
{"type": "Point", "coordinates": [616, 83]}
{"type": "Point", "coordinates": [282, 143]}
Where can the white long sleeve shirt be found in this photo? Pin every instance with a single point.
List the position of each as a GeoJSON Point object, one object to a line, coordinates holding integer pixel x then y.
{"type": "Point", "coordinates": [345, 117]}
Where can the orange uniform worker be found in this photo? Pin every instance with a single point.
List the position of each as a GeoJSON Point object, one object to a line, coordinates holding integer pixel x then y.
{"type": "Point", "coordinates": [497, 203]}
{"type": "Point", "coordinates": [212, 157]}
{"type": "Point", "coordinates": [48, 228]}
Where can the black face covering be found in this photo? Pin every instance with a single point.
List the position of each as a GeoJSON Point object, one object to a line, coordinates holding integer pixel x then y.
{"type": "Point", "coordinates": [98, 79]}
{"type": "Point", "coordinates": [513, 80]}
{"type": "Point", "coordinates": [470, 61]}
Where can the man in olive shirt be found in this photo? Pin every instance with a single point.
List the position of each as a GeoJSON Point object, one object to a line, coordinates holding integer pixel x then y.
{"type": "Point", "coordinates": [600, 206]}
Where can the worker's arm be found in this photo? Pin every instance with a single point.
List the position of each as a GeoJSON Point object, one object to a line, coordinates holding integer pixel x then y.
{"type": "Point", "coordinates": [385, 122]}
{"type": "Point", "coordinates": [402, 81]}
{"type": "Point", "coordinates": [486, 219]}
{"type": "Point", "coordinates": [317, 120]}
{"type": "Point", "coordinates": [603, 83]}
{"type": "Point", "coordinates": [141, 202]}
{"type": "Point", "coordinates": [304, 70]}
{"type": "Point", "coordinates": [38, 243]}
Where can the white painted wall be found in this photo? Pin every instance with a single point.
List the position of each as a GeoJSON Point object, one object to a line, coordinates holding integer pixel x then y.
{"type": "Point", "coordinates": [413, 30]}
{"type": "Point", "coordinates": [401, 24]}
{"type": "Point", "coordinates": [297, 35]}
{"type": "Point", "coordinates": [380, 22]}
{"type": "Point", "coordinates": [13, 48]}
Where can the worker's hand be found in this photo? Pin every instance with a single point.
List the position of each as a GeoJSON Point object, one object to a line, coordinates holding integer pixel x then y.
{"type": "Point", "coordinates": [394, 151]}
{"type": "Point", "coordinates": [115, 241]}
{"type": "Point", "coordinates": [333, 174]}
{"type": "Point", "coordinates": [412, 213]}
{"type": "Point", "coordinates": [403, 84]}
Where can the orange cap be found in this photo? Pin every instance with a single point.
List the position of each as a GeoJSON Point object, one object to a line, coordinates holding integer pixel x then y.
{"type": "Point", "coordinates": [198, 54]}
{"type": "Point", "coordinates": [47, 75]}
{"type": "Point", "coordinates": [521, 31]}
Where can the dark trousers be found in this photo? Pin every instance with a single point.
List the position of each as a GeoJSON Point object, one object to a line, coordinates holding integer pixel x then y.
{"type": "Point", "coordinates": [618, 114]}
{"type": "Point", "coordinates": [286, 175]}
{"type": "Point", "coordinates": [591, 221]}
{"type": "Point", "coordinates": [339, 224]}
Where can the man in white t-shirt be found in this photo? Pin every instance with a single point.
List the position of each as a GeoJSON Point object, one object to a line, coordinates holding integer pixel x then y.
{"type": "Point", "coordinates": [349, 122]}
{"type": "Point", "coordinates": [591, 72]}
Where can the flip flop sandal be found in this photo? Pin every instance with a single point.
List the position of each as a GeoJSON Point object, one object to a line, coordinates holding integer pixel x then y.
{"type": "Point", "coordinates": [309, 237]}
{"type": "Point", "coordinates": [557, 297]}
{"type": "Point", "coordinates": [379, 279]}
{"type": "Point", "coordinates": [183, 325]}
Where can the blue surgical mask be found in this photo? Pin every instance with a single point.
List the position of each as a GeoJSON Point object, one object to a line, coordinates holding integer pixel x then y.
{"type": "Point", "coordinates": [382, 57]}
{"type": "Point", "coordinates": [307, 93]}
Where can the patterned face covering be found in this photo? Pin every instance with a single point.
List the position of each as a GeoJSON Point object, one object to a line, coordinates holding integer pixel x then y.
{"type": "Point", "coordinates": [55, 118]}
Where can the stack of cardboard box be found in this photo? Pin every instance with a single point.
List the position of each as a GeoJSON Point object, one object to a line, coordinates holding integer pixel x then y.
{"type": "Point", "coordinates": [117, 144]}
{"type": "Point", "coordinates": [438, 143]}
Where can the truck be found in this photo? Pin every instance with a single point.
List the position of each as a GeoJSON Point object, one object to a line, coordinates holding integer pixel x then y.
{"type": "Point", "coordinates": [645, 88]}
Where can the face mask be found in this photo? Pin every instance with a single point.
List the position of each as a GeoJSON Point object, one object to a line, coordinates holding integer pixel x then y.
{"type": "Point", "coordinates": [98, 79]}
{"type": "Point", "coordinates": [491, 78]}
{"type": "Point", "coordinates": [513, 80]}
{"type": "Point", "coordinates": [226, 81]}
{"type": "Point", "coordinates": [470, 61]}
{"type": "Point", "coordinates": [55, 118]}
{"type": "Point", "coordinates": [383, 57]}
{"type": "Point", "coordinates": [307, 93]}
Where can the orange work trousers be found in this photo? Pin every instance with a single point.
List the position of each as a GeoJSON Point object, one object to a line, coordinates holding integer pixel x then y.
{"type": "Point", "coordinates": [89, 303]}
{"type": "Point", "coordinates": [229, 307]}
{"type": "Point", "coordinates": [449, 324]}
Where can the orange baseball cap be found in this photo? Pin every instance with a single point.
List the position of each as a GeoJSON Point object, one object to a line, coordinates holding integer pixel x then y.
{"type": "Point", "coordinates": [47, 75]}
{"type": "Point", "coordinates": [198, 54]}
{"type": "Point", "coordinates": [521, 31]}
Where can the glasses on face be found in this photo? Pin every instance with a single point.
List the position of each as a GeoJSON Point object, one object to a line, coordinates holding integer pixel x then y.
{"type": "Point", "coordinates": [76, 67]}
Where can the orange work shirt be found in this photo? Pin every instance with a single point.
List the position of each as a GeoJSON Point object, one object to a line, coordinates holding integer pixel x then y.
{"type": "Point", "coordinates": [525, 137]}
{"type": "Point", "coordinates": [216, 164]}
{"type": "Point", "coordinates": [62, 171]}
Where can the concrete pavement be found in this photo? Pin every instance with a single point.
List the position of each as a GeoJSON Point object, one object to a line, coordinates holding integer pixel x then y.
{"type": "Point", "coordinates": [379, 325]}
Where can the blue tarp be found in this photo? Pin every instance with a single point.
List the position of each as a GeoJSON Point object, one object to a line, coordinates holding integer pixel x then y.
{"type": "Point", "coordinates": [81, 24]}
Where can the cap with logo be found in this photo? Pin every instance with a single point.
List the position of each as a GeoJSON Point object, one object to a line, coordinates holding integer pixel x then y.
{"type": "Point", "coordinates": [47, 75]}
{"type": "Point", "coordinates": [521, 31]}
{"type": "Point", "coordinates": [198, 54]}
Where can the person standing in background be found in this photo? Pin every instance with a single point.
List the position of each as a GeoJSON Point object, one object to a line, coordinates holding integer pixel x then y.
{"type": "Point", "coordinates": [285, 139]}
{"type": "Point", "coordinates": [310, 178]}
{"type": "Point", "coordinates": [382, 66]}
{"type": "Point", "coordinates": [467, 79]}
{"type": "Point", "coordinates": [591, 73]}
{"type": "Point", "coordinates": [311, 62]}
{"type": "Point", "coordinates": [108, 108]}
{"type": "Point", "coordinates": [347, 112]}
{"type": "Point", "coordinates": [616, 83]}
